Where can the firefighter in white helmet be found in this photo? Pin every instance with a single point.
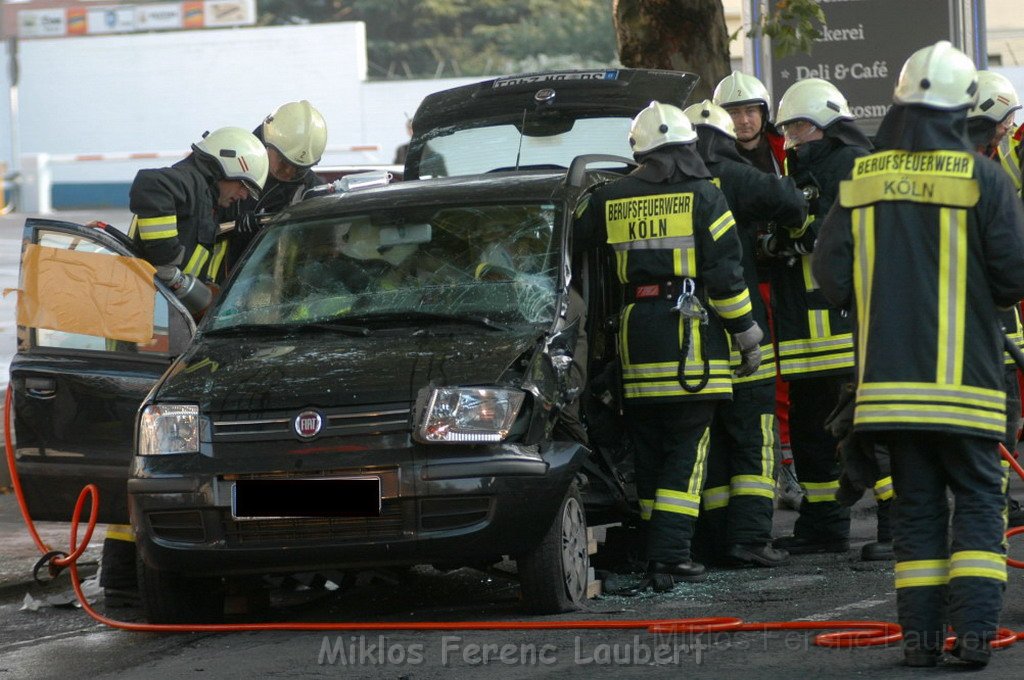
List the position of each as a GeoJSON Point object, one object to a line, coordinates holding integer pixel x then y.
{"type": "Point", "coordinates": [749, 105]}
{"type": "Point", "coordinates": [924, 247]}
{"type": "Point", "coordinates": [815, 345]}
{"type": "Point", "coordinates": [173, 227]}
{"type": "Point", "coordinates": [295, 135]}
{"type": "Point", "coordinates": [678, 259]}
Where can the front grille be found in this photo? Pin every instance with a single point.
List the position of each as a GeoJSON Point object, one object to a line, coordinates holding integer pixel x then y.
{"type": "Point", "coordinates": [315, 529]}
{"type": "Point", "coordinates": [437, 514]}
{"type": "Point", "coordinates": [339, 422]}
{"type": "Point", "coordinates": [185, 526]}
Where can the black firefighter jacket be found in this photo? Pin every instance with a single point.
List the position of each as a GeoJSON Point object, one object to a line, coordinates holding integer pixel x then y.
{"type": "Point", "coordinates": [174, 215]}
{"type": "Point", "coordinates": [756, 197]}
{"type": "Point", "coordinates": [924, 247]}
{"type": "Point", "coordinates": [813, 338]}
{"type": "Point", "coordinates": [661, 232]}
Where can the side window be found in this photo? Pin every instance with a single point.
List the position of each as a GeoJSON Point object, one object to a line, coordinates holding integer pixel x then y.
{"type": "Point", "coordinates": [158, 346]}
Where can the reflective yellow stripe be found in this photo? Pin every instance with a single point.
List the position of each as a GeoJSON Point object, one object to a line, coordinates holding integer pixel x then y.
{"type": "Point", "coordinates": [841, 342]}
{"type": "Point", "coordinates": [768, 445]}
{"type": "Point", "coordinates": [922, 391]}
{"type": "Point", "coordinates": [219, 251]}
{"type": "Point", "coordinates": [646, 507]}
{"type": "Point", "coordinates": [820, 492]}
{"type": "Point", "coordinates": [721, 225]}
{"type": "Point", "coordinates": [697, 477]}
{"type": "Point", "coordinates": [831, 362]}
{"type": "Point", "coordinates": [952, 295]}
{"type": "Point", "coordinates": [884, 489]}
{"type": "Point", "coordinates": [677, 502]}
{"type": "Point", "coordinates": [154, 228]}
{"type": "Point", "coordinates": [713, 499]}
{"type": "Point", "coordinates": [752, 485]}
{"type": "Point", "coordinates": [868, 414]}
{"type": "Point", "coordinates": [864, 273]}
{"type": "Point", "coordinates": [810, 283]}
{"type": "Point", "coordinates": [916, 573]}
{"type": "Point", "coordinates": [734, 307]}
{"type": "Point", "coordinates": [818, 324]}
{"type": "Point", "coordinates": [977, 563]}
{"type": "Point", "coordinates": [800, 231]}
{"type": "Point", "coordinates": [119, 532]}
{"type": "Point", "coordinates": [1009, 160]}
{"type": "Point", "coordinates": [198, 260]}
{"type": "Point", "coordinates": [133, 227]}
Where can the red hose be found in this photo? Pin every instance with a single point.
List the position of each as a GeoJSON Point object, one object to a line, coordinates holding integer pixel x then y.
{"type": "Point", "coordinates": [844, 633]}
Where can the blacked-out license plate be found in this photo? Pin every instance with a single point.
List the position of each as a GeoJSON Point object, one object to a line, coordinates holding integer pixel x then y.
{"type": "Point", "coordinates": [326, 497]}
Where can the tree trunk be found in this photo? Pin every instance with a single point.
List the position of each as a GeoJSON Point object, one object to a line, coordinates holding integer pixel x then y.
{"type": "Point", "coordinates": [681, 35]}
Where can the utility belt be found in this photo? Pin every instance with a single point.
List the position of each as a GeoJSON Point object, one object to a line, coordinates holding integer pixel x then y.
{"type": "Point", "coordinates": [668, 289]}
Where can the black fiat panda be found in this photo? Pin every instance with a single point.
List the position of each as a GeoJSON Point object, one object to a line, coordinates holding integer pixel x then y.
{"type": "Point", "coordinates": [403, 374]}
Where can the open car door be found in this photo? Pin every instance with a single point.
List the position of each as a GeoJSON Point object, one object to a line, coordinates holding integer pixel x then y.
{"type": "Point", "coordinates": [82, 366]}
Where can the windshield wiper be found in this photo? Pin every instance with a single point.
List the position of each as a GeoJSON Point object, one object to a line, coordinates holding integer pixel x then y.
{"type": "Point", "coordinates": [286, 329]}
{"type": "Point", "coordinates": [416, 317]}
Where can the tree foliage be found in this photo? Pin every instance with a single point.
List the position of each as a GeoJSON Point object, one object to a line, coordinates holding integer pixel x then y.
{"type": "Point", "coordinates": [434, 38]}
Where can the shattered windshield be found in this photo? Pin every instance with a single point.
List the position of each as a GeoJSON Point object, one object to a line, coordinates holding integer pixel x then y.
{"type": "Point", "coordinates": [470, 151]}
{"type": "Point", "coordinates": [497, 262]}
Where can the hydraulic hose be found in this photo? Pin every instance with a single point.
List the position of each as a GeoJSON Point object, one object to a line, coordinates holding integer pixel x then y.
{"type": "Point", "coordinates": [843, 634]}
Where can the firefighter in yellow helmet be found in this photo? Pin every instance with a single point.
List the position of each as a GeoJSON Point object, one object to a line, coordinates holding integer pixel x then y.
{"type": "Point", "coordinates": [677, 255]}
{"type": "Point", "coordinates": [924, 247]}
{"type": "Point", "coordinates": [295, 135]}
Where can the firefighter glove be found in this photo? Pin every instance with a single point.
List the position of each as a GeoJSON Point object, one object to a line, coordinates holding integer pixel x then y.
{"type": "Point", "coordinates": [247, 223]}
{"type": "Point", "coordinates": [748, 343]}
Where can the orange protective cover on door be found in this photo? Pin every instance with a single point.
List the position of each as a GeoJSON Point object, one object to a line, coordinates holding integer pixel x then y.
{"type": "Point", "coordinates": [109, 296]}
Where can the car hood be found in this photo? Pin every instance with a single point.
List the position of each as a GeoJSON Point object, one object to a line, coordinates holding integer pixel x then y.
{"type": "Point", "coordinates": [225, 374]}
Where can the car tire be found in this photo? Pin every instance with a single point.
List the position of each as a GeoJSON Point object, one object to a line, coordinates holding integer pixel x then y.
{"type": "Point", "coordinates": [554, 575]}
{"type": "Point", "coordinates": [173, 598]}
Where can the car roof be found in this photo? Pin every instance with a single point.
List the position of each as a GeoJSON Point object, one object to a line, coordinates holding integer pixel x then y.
{"type": "Point", "coordinates": [504, 186]}
{"type": "Point", "coordinates": [566, 95]}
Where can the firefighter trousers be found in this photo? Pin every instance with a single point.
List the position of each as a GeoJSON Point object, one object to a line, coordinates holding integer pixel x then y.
{"type": "Point", "coordinates": [940, 581]}
{"type": "Point", "coordinates": [811, 400]}
{"type": "Point", "coordinates": [736, 504]}
{"type": "Point", "coordinates": [670, 442]}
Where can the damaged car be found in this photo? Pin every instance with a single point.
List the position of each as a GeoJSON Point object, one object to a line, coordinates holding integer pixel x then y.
{"type": "Point", "coordinates": [414, 373]}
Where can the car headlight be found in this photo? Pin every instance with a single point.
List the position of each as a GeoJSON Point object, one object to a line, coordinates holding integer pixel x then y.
{"type": "Point", "coordinates": [169, 428]}
{"type": "Point", "coordinates": [469, 414]}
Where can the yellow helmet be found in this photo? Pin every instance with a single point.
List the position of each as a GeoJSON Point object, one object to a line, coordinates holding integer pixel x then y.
{"type": "Point", "coordinates": [298, 132]}
{"type": "Point", "coordinates": [239, 154]}
{"type": "Point", "coordinates": [996, 97]}
{"type": "Point", "coordinates": [814, 100]}
{"type": "Point", "coordinates": [938, 76]}
{"type": "Point", "coordinates": [712, 115]}
{"type": "Point", "coordinates": [660, 125]}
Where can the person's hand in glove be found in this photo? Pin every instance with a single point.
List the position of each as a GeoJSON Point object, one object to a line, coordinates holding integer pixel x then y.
{"type": "Point", "coordinates": [748, 343]}
{"type": "Point", "coordinates": [247, 223]}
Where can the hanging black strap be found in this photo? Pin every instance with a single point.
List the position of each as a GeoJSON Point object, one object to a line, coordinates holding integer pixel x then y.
{"type": "Point", "coordinates": [684, 351]}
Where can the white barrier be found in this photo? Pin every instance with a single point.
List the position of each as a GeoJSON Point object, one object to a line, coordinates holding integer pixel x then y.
{"type": "Point", "coordinates": [36, 190]}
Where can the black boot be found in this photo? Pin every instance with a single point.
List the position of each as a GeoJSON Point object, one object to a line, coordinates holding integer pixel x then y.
{"type": "Point", "coordinates": [881, 550]}
{"type": "Point", "coordinates": [688, 570]}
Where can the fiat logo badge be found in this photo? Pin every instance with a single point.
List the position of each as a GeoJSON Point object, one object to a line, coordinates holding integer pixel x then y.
{"type": "Point", "coordinates": [308, 424]}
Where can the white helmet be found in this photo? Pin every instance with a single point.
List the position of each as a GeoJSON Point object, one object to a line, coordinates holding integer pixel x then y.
{"type": "Point", "coordinates": [814, 100]}
{"type": "Point", "coordinates": [737, 89]}
{"type": "Point", "coordinates": [996, 97]}
{"type": "Point", "coordinates": [940, 77]}
{"type": "Point", "coordinates": [659, 125]}
{"type": "Point", "coordinates": [712, 115]}
{"type": "Point", "coordinates": [240, 155]}
{"type": "Point", "coordinates": [298, 132]}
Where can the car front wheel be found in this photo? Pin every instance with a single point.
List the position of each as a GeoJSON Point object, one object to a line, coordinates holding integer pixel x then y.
{"type": "Point", "coordinates": [554, 575]}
